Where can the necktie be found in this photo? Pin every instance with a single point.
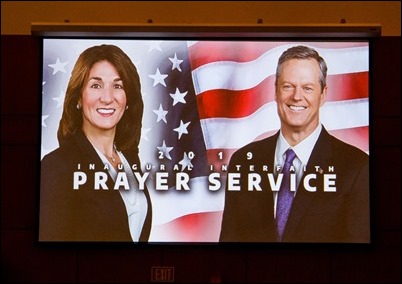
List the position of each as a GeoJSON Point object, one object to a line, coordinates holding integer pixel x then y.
{"type": "Point", "coordinates": [285, 196]}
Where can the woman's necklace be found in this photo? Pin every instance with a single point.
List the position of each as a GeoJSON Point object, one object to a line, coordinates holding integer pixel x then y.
{"type": "Point", "coordinates": [112, 158]}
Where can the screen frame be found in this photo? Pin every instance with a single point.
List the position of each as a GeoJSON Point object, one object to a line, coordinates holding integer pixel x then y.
{"type": "Point", "coordinates": [116, 30]}
{"type": "Point", "coordinates": [260, 32]}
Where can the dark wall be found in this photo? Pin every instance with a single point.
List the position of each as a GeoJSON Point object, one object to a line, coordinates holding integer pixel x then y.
{"type": "Point", "coordinates": [23, 260]}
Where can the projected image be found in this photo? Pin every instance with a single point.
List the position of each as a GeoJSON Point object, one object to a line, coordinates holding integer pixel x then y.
{"type": "Point", "coordinates": [180, 141]}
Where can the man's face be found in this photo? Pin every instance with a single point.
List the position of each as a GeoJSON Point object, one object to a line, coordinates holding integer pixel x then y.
{"type": "Point", "coordinates": [299, 96]}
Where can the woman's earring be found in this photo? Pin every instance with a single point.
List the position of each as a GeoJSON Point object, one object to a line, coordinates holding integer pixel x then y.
{"type": "Point", "coordinates": [78, 106]}
{"type": "Point", "coordinates": [126, 107]}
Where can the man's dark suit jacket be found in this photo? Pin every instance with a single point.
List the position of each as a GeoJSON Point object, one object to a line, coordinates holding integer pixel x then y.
{"type": "Point", "coordinates": [325, 217]}
{"type": "Point", "coordinates": [84, 214]}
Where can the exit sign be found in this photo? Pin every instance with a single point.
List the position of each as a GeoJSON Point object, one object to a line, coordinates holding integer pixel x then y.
{"type": "Point", "coordinates": [162, 274]}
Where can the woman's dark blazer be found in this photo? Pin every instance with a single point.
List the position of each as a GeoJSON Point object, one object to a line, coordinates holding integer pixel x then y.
{"type": "Point", "coordinates": [327, 217]}
{"type": "Point", "coordinates": [84, 214]}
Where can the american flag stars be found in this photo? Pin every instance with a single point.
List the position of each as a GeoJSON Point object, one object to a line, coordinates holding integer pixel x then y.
{"type": "Point", "coordinates": [178, 97]}
{"type": "Point", "coordinates": [161, 113]}
{"type": "Point", "coordinates": [158, 78]}
{"type": "Point", "coordinates": [176, 62]}
{"type": "Point", "coordinates": [164, 151]}
{"type": "Point", "coordinates": [58, 66]}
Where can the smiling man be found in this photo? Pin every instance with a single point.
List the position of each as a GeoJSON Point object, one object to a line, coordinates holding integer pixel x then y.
{"type": "Point", "coordinates": [302, 143]}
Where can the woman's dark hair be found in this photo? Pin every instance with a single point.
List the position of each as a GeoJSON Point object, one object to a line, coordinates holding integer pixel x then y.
{"type": "Point", "coordinates": [128, 131]}
{"type": "Point", "coordinates": [303, 52]}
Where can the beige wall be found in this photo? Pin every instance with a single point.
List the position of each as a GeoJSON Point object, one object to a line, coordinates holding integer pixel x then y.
{"type": "Point", "coordinates": [17, 16]}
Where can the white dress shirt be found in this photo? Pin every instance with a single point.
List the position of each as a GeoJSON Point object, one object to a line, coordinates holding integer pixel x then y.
{"type": "Point", "coordinates": [134, 199]}
{"type": "Point", "coordinates": [303, 151]}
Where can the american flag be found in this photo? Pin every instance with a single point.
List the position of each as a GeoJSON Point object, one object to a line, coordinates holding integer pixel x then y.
{"type": "Point", "coordinates": [204, 100]}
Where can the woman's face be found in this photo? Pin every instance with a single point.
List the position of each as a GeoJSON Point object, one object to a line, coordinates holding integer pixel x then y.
{"type": "Point", "coordinates": [103, 98]}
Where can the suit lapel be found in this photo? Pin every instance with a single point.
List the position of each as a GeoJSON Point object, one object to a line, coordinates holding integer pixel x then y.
{"type": "Point", "coordinates": [88, 155]}
{"type": "Point", "coordinates": [321, 155]}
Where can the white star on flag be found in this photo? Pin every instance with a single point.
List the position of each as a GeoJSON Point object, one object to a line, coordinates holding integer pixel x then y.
{"type": "Point", "coordinates": [182, 129]}
{"type": "Point", "coordinates": [161, 113]}
{"type": "Point", "coordinates": [59, 99]}
{"type": "Point", "coordinates": [158, 78]}
{"type": "Point", "coordinates": [176, 62]}
{"type": "Point", "coordinates": [178, 97]}
{"type": "Point", "coordinates": [165, 150]}
{"type": "Point", "coordinates": [155, 44]}
{"type": "Point", "coordinates": [43, 120]}
{"type": "Point", "coordinates": [144, 133]}
{"type": "Point", "coordinates": [58, 66]}
{"type": "Point", "coordinates": [186, 162]}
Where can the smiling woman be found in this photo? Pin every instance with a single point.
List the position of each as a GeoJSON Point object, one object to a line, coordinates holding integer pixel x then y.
{"type": "Point", "coordinates": [103, 100]}
{"type": "Point", "coordinates": [103, 105]}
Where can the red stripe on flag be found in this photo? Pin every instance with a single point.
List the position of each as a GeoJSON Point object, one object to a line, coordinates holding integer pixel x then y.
{"type": "Point", "coordinates": [197, 227]}
{"type": "Point", "coordinates": [235, 104]}
{"type": "Point", "coordinates": [347, 86]}
{"type": "Point", "coordinates": [358, 136]}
